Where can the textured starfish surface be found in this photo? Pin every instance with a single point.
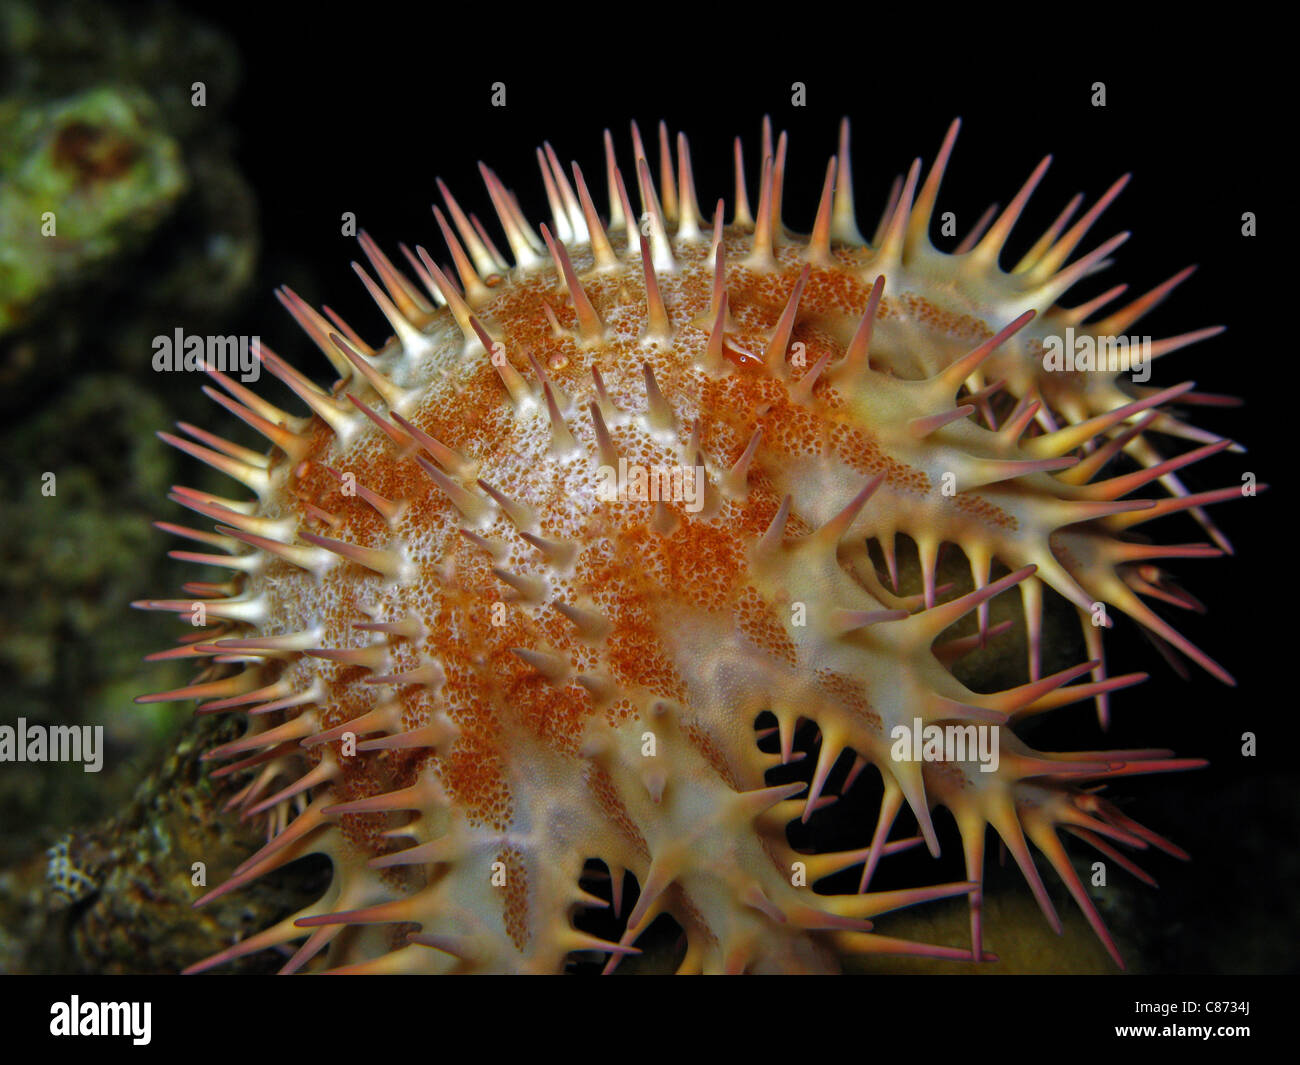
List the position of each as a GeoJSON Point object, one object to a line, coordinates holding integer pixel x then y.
{"type": "Point", "coordinates": [510, 598]}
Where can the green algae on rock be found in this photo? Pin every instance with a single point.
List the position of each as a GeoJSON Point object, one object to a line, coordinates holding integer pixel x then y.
{"type": "Point", "coordinates": [83, 178]}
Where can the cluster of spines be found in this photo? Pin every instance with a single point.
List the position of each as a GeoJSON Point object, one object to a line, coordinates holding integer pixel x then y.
{"type": "Point", "coordinates": [479, 266]}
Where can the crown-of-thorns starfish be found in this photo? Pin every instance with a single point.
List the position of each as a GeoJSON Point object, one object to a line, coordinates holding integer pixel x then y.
{"type": "Point", "coordinates": [469, 667]}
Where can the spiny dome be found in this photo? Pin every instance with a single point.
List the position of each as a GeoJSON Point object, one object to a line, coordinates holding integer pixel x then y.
{"type": "Point", "coordinates": [510, 598]}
